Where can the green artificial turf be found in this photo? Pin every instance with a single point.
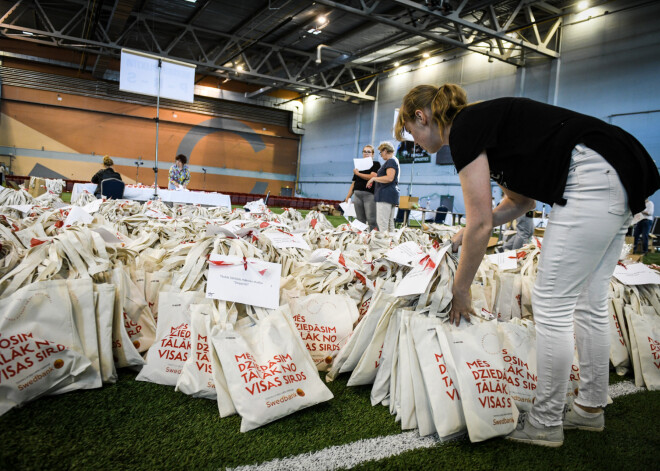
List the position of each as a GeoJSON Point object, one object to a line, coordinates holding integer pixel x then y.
{"type": "Point", "coordinates": [138, 425]}
{"type": "Point", "coordinates": [631, 440]}
{"type": "Point", "coordinates": [144, 426]}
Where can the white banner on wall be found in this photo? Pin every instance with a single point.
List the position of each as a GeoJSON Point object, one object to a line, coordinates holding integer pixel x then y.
{"type": "Point", "coordinates": [138, 73]}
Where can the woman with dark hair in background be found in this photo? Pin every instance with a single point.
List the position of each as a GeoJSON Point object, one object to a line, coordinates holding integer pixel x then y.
{"type": "Point", "coordinates": [363, 197]}
{"type": "Point", "coordinates": [106, 172]}
{"type": "Point", "coordinates": [594, 174]}
{"type": "Point", "coordinates": [179, 175]}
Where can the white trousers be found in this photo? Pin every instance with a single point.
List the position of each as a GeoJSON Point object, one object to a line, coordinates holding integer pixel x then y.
{"type": "Point", "coordinates": [581, 247]}
{"type": "Point", "coordinates": [385, 216]}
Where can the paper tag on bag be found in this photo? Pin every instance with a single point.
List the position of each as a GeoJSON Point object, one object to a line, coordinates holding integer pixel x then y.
{"type": "Point", "coordinates": [283, 240]}
{"type": "Point", "coordinates": [405, 253]}
{"type": "Point", "coordinates": [636, 274]}
{"type": "Point", "coordinates": [359, 225]}
{"type": "Point", "coordinates": [76, 214]}
{"type": "Point", "coordinates": [94, 206]}
{"type": "Point", "coordinates": [418, 279]}
{"type": "Point", "coordinates": [506, 260]}
{"type": "Point", "coordinates": [246, 281]}
{"type": "Point", "coordinates": [23, 208]}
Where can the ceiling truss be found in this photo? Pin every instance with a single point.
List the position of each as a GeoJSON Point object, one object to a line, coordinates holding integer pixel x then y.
{"type": "Point", "coordinates": [505, 30]}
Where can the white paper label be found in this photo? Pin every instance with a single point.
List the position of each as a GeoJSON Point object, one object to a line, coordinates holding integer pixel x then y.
{"type": "Point", "coordinates": [246, 281]}
{"type": "Point", "coordinates": [283, 240]}
{"type": "Point", "coordinates": [76, 214]}
{"type": "Point", "coordinates": [405, 253]}
{"type": "Point", "coordinates": [418, 279]}
{"type": "Point", "coordinates": [506, 260]}
{"type": "Point", "coordinates": [359, 225]}
{"type": "Point", "coordinates": [94, 206]}
{"type": "Point", "coordinates": [636, 274]}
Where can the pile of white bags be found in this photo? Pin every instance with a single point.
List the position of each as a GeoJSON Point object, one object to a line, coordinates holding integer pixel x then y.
{"type": "Point", "coordinates": [372, 304]}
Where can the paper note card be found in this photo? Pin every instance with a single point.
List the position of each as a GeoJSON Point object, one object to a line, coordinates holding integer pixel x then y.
{"type": "Point", "coordinates": [246, 281]}
{"type": "Point", "coordinates": [363, 164]}
{"type": "Point", "coordinates": [636, 274]}
{"type": "Point", "coordinates": [418, 279]}
{"type": "Point", "coordinates": [283, 240]}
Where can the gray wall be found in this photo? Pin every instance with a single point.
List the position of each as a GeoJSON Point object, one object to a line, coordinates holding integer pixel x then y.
{"type": "Point", "coordinates": [609, 68]}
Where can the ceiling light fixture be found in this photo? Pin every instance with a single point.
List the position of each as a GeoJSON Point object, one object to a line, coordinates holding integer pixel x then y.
{"type": "Point", "coordinates": [426, 55]}
{"type": "Point", "coordinates": [321, 20]}
{"type": "Point", "coordinates": [582, 6]}
{"type": "Point", "coordinates": [396, 64]}
{"type": "Point", "coordinates": [239, 68]}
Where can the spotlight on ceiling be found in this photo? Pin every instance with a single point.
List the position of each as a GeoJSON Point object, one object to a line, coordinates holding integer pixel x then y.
{"type": "Point", "coordinates": [426, 55]}
{"type": "Point", "coordinates": [582, 6]}
{"type": "Point", "coordinates": [239, 68]}
{"type": "Point", "coordinates": [397, 64]}
{"type": "Point", "coordinates": [321, 20]}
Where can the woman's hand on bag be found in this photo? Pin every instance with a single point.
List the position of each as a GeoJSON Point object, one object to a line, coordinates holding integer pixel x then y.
{"type": "Point", "coordinates": [461, 305]}
{"type": "Point", "coordinates": [457, 240]}
{"type": "Point", "coordinates": [370, 182]}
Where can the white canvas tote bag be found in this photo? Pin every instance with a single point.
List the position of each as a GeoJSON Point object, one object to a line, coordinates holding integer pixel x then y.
{"type": "Point", "coordinates": [365, 370]}
{"type": "Point", "coordinates": [476, 353]}
{"type": "Point", "coordinates": [407, 398]}
{"type": "Point", "coordinates": [81, 294]}
{"type": "Point", "coordinates": [618, 351]}
{"type": "Point", "coordinates": [269, 372]}
{"type": "Point", "coordinates": [197, 375]}
{"type": "Point", "coordinates": [40, 350]}
{"type": "Point", "coordinates": [105, 308]}
{"type": "Point", "coordinates": [647, 335]}
{"type": "Point", "coordinates": [171, 349]}
{"type": "Point", "coordinates": [519, 354]}
{"type": "Point", "coordinates": [380, 390]}
{"type": "Point", "coordinates": [325, 322]}
{"type": "Point", "coordinates": [444, 400]}
{"type": "Point", "coordinates": [630, 314]}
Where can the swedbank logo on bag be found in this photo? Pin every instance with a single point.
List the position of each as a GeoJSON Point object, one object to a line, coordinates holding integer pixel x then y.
{"type": "Point", "coordinates": [21, 353]}
{"type": "Point", "coordinates": [278, 372]}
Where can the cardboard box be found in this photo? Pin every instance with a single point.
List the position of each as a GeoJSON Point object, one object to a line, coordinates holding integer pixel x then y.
{"type": "Point", "coordinates": [406, 202]}
{"type": "Point", "coordinates": [539, 232]}
{"type": "Point", "coordinates": [37, 186]}
{"type": "Point", "coordinates": [630, 240]}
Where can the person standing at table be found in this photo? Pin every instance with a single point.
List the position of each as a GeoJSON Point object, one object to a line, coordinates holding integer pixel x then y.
{"type": "Point", "coordinates": [386, 193]}
{"type": "Point", "coordinates": [643, 227]}
{"type": "Point", "coordinates": [594, 174]}
{"type": "Point", "coordinates": [106, 172]}
{"type": "Point", "coordinates": [363, 197]}
{"type": "Point", "coordinates": [179, 174]}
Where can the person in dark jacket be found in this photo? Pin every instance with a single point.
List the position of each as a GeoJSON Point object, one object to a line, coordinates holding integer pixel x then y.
{"type": "Point", "coordinates": [106, 172]}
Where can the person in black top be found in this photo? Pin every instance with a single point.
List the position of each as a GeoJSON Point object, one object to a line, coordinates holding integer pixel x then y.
{"type": "Point", "coordinates": [594, 174]}
{"type": "Point", "coordinates": [363, 197]}
{"type": "Point", "coordinates": [106, 172]}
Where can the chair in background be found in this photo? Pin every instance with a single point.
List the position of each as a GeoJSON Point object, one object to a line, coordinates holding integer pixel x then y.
{"type": "Point", "coordinates": [112, 188]}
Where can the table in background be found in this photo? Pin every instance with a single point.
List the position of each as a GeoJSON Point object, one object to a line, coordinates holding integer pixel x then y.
{"type": "Point", "coordinates": [167, 196]}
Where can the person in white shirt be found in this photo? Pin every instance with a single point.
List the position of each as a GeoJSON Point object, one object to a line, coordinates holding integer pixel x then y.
{"type": "Point", "coordinates": [643, 227]}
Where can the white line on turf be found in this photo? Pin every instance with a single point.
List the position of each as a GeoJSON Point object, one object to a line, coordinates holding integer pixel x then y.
{"type": "Point", "coordinates": [352, 454]}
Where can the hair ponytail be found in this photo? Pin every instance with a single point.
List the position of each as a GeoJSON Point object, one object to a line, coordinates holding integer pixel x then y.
{"type": "Point", "coordinates": [444, 103]}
